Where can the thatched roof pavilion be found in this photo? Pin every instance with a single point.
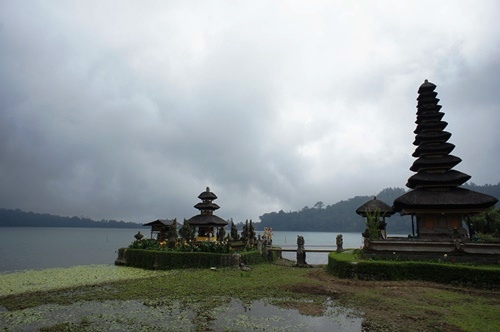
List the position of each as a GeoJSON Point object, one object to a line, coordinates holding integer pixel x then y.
{"type": "Point", "coordinates": [160, 228]}
{"type": "Point", "coordinates": [376, 208]}
{"type": "Point", "coordinates": [374, 205]}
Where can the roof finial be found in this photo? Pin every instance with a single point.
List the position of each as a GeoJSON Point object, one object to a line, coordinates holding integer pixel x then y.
{"type": "Point", "coordinates": [426, 81]}
{"type": "Point", "coordinates": [208, 190]}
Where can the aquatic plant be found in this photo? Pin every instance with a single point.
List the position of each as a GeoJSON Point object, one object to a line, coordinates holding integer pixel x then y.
{"type": "Point", "coordinates": [60, 278]}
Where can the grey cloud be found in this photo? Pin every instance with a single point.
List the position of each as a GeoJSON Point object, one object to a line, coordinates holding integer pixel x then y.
{"type": "Point", "coordinates": [129, 111]}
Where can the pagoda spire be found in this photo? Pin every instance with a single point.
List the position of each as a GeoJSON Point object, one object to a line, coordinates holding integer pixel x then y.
{"type": "Point", "coordinates": [434, 162]}
{"type": "Point", "coordinates": [206, 207]}
{"type": "Point", "coordinates": [436, 185]}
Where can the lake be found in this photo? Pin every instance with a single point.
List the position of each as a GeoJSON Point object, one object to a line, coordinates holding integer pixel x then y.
{"type": "Point", "coordinates": [26, 248]}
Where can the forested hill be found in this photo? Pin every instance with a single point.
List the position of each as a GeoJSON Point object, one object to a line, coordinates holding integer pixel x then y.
{"type": "Point", "coordinates": [18, 218]}
{"type": "Point", "coordinates": [341, 216]}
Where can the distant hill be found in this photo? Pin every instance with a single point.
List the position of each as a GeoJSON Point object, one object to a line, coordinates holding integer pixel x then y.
{"type": "Point", "coordinates": [18, 218]}
{"type": "Point", "coordinates": [341, 216]}
{"type": "Point", "coordinates": [338, 217]}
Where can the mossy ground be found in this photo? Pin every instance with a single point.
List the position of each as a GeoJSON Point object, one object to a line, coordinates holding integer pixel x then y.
{"type": "Point", "coordinates": [385, 306]}
{"type": "Point", "coordinates": [416, 305]}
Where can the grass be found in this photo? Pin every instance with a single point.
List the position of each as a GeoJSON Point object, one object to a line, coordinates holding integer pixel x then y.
{"type": "Point", "coordinates": [425, 306]}
{"type": "Point", "coordinates": [64, 286]}
{"type": "Point", "coordinates": [386, 305]}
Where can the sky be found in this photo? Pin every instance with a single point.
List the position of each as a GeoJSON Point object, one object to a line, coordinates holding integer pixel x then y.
{"type": "Point", "coordinates": [128, 110]}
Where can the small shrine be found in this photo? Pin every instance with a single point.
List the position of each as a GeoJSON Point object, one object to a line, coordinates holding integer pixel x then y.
{"type": "Point", "coordinates": [208, 226]}
{"type": "Point", "coordinates": [374, 212]}
{"type": "Point", "coordinates": [160, 228]}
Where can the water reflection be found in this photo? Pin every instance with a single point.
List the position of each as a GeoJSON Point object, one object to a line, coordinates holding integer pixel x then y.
{"type": "Point", "coordinates": [221, 314]}
{"type": "Point", "coordinates": [264, 316]}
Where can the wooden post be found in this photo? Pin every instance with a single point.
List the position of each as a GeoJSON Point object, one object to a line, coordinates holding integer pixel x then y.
{"type": "Point", "coordinates": [412, 226]}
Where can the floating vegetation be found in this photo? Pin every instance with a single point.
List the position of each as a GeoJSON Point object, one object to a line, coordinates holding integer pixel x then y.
{"type": "Point", "coordinates": [98, 316]}
{"type": "Point", "coordinates": [60, 278]}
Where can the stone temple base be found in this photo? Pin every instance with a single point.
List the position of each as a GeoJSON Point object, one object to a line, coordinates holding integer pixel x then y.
{"type": "Point", "coordinates": [415, 249]}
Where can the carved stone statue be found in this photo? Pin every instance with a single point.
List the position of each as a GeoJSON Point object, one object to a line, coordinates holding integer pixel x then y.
{"type": "Point", "coordinates": [340, 243]}
{"type": "Point", "coordinates": [300, 241]}
{"type": "Point", "coordinates": [301, 254]}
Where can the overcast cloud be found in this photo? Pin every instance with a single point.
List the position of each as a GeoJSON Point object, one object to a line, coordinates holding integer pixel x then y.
{"type": "Point", "coordinates": [128, 110]}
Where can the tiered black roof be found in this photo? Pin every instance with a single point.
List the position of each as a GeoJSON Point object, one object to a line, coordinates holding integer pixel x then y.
{"type": "Point", "coordinates": [207, 208]}
{"type": "Point", "coordinates": [207, 195]}
{"type": "Point", "coordinates": [434, 163]}
{"type": "Point", "coordinates": [436, 183]}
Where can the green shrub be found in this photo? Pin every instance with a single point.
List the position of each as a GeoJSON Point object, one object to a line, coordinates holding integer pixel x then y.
{"type": "Point", "coordinates": [487, 222]}
{"type": "Point", "coordinates": [372, 223]}
{"type": "Point", "coordinates": [486, 238]}
{"type": "Point", "coordinates": [252, 257]}
{"type": "Point", "coordinates": [346, 265]}
{"type": "Point", "coordinates": [255, 257]}
{"type": "Point", "coordinates": [341, 265]}
{"type": "Point", "coordinates": [151, 244]}
{"type": "Point", "coordinates": [148, 244]}
{"type": "Point", "coordinates": [165, 260]}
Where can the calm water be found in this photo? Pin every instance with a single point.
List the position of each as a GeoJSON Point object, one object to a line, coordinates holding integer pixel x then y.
{"type": "Point", "coordinates": [315, 240]}
{"type": "Point", "coordinates": [23, 248]}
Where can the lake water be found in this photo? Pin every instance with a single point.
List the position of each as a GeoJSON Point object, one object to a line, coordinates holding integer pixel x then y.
{"type": "Point", "coordinates": [24, 248]}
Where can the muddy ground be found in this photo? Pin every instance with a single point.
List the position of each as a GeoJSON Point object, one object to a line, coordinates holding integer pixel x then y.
{"type": "Point", "coordinates": [404, 305]}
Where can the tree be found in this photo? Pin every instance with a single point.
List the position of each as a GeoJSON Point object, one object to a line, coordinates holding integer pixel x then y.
{"type": "Point", "coordinates": [187, 232]}
{"type": "Point", "coordinates": [244, 232]}
{"type": "Point", "coordinates": [221, 233]}
{"type": "Point", "coordinates": [319, 205]}
{"type": "Point", "coordinates": [487, 222]}
{"type": "Point", "coordinates": [172, 234]}
{"type": "Point", "coordinates": [234, 231]}
{"type": "Point", "coordinates": [172, 231]}
{"type": "Point", "coordinates": [251, 233]}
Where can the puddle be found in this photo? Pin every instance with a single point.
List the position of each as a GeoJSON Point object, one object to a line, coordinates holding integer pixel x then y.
{"type": "Point", "coordinates": [213, 315]}
{"type": "Point", "coordinates": [262, 316]}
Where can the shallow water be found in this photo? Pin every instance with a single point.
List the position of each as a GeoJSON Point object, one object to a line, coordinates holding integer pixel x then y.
{"type": "Point", "coordinates": [315, 240]}
{"type": "Point", "coordinates": [263, 316]}
{"type": "Point", "coordinates": [216, 315]}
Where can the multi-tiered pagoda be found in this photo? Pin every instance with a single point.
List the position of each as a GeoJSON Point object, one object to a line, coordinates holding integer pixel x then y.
{"type": "Point", "coordinates": [437, 200]}
{"type": "Point", "coordinates": [209, 226]}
